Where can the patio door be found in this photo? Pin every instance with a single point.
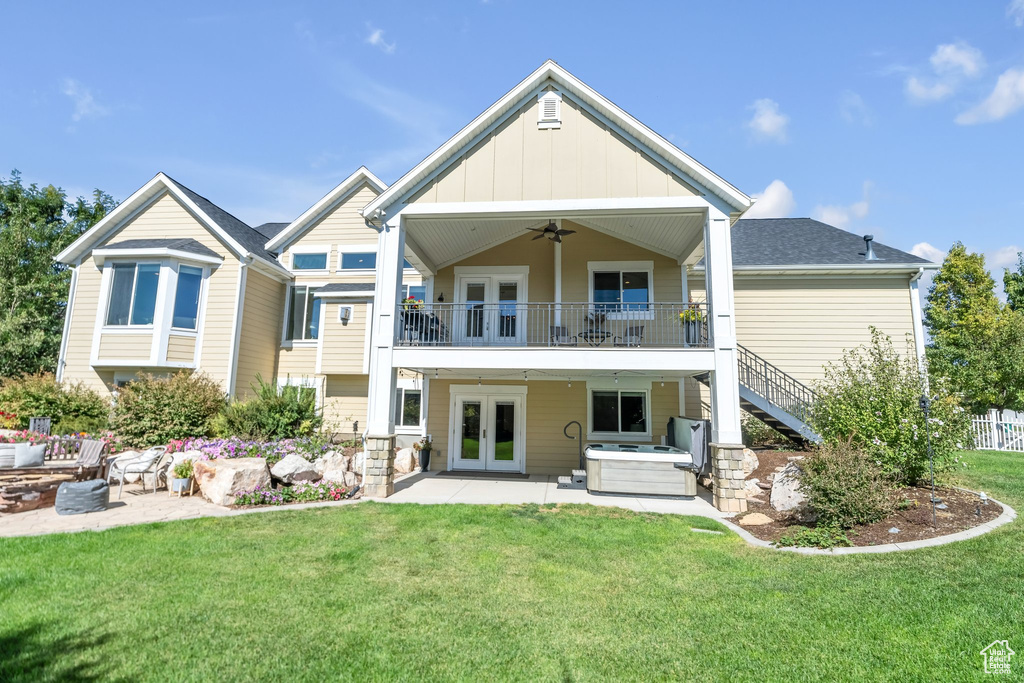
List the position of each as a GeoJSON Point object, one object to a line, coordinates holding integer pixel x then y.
{"type": "Point", "coordinates": [490, 310]}
{"type": "Point", "coordinates": [488, 432]}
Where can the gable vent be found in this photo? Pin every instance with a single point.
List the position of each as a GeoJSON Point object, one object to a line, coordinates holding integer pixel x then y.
{"type": "Point", "coordinates": [549, 110]}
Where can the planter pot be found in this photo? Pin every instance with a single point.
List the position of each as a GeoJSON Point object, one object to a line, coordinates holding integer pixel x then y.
{"type": "Point", "coordinates": [424, 460]}
{"type": "Point", "coordinates": [29, 455]}
{"type": "Point", "coordinates": [691, 332]}
{"type": "Point", "coordinates": [6, 455]}
{"type": "Point", "coordinates": [180, 486]}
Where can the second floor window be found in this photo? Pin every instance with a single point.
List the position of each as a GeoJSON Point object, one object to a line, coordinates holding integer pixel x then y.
{"type": "Point", "coordinates": [622, 290]}
{"type": "Point", "coordinates": [309, 261]}
{"type": "Point", "coordinates": [303, 314]}
{"type": "Point", "coordinates": [186, 298]}
{"type": "Point", "coordinates": [133, 289]}
{"type": "Point", "coordinates": [359, 261]}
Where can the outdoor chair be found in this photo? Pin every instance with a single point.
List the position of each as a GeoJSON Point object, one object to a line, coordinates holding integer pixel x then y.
{"type": "Point", "coordinates": [91, 458]}
{"type": "Point", "coordinates": [147, 462]}
{"type": "Point", "coordinates": [633, 336]}
{"type": "Point", "coordinates": [560, 336]}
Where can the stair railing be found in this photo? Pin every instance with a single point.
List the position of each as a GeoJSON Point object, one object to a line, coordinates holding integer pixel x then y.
{"type": "Point", "coordinates": [774, 385]}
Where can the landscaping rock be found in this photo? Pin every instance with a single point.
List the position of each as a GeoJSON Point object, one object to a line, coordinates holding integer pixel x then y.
{"type": "Point", "coordinates": [786, 494]}
{"type": "Point", "coordinates": [755, 519]}
{"type": "Point", "coordinates": [752, 487]}
{"type": "Point", "coordinates": [220, 479]}
{"type": "Point", "coordinates": [358, 460]}
{"type": "Point", "coordinates": [293, 468]}
{"type": "Point", "coordinates": [750, 462]}
{"type": "Point", "coordinates": [332, 466]}
{"type": "Point", "coordinates": [351, 479]}
{"type": "Point", "coordinates": [405, 461]}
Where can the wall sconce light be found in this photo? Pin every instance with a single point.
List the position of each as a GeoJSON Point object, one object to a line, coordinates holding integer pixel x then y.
{"type": "Point", "coordinates": [440, 298]}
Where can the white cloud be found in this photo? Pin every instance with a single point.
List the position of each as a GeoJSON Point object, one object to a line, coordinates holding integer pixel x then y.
{"type": "Point", "coordinates": [1015, 10]}
{"type": "Point", "coordinates": [853, 109]}
{"type": "Point", "coordinates": [842, 215]}
{"type": "Point", "coordinates": [1003, 257]}
{"type": "Point", "coordinates": [951, 64]}
{"type": "Point", "coordinates": [775, 202]}
{"type": "Point", "coordinates": [376, 38]}
{"type": "Point", "coordinates": [86, 105]}
{"type": "Point", "coordinates": [928, 251]}
{"type": "Point", "coordinates": [768, 123]}
{"type": "Point", "coordinates": [1006, 98]}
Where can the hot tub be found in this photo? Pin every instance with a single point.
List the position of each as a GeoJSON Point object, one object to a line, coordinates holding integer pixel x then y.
{"type": "Point", "coordinates": [640, 470]}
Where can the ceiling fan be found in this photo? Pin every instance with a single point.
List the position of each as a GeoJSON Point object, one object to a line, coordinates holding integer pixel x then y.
{"type": "Point", "coordinates": [552, 232]}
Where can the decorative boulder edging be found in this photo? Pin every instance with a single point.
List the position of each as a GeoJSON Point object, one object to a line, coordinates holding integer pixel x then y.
{"type": "Point", "coordinates": [293, 468]}
{"type": "Point", "coordinates": [405, 461]}
{"type": "Point", "coordinates": [220, 479]}
{"type": "Point", "coordinates": [333, 466]}
{"type": "Point", "coordinates": [750, 462]}
{"type": "Point", "coordinates": [786, 495]}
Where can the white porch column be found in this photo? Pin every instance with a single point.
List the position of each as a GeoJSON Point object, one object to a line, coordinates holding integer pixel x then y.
{"type": "Point", "coordinates": [558, 281]}
{"type": "Point", "coordinates": [383, 377]}
{"type": "Point", "coordinates": [725, 398]}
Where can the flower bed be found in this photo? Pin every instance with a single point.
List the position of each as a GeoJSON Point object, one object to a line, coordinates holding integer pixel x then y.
{"type": "Point", "coordinates": [298, 493]}
{"type": "Point", "coordinates": [272, 451]}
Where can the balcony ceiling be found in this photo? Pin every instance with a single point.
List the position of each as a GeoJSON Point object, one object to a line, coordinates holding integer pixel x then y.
{"type": "Point", "coordinates": [436, 242]}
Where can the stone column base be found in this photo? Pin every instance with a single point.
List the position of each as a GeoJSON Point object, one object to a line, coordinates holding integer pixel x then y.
{"type": "Point", "coordinates": [380, 466]}
{"type": "Point", "coordinates": [727, 472]}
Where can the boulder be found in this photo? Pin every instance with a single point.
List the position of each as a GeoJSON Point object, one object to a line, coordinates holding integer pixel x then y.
{"type": "Point", "coordinates": [786, 495]}
{"type": "Point", "coordinates": [405, 461]}
{"type": "Point", "coordinates": [752, 487]}
{"type": "Point", "coordinates": [750, 462]}
{"type": "Point", "coordinates": [220, 479]}
{"type": "Point", "coordinates": [358, 461]}
{"type": "Point", "coordinates": [293, 468]}
{"type": "Point", "coordinates": [332, 466]}
{"type": "Point", "coordinates": [351, 479]}
{"type": "Point", "coordinates": [755, 519]}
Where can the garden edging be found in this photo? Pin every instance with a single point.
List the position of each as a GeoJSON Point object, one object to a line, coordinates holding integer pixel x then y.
{"type": "Point", "coordinates": [1008, 515]}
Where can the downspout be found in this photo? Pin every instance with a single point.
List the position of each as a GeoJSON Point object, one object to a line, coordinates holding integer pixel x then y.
{"type": "Point", "coordinates": [915, 308]}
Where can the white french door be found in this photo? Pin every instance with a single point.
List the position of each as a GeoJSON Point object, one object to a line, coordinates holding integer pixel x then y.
{"type": "Point", "coordinates": [488, 431]}
{"type": "Point", "coordinates": [490, 310]}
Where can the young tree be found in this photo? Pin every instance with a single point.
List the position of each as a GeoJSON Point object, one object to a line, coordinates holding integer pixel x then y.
{"type": "Point", "coordinates": [35, 225]}
{"type": "Point", "coordinates": [1013, 285]}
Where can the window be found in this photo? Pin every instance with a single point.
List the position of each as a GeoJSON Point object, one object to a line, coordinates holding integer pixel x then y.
{"type": "Point", "coordinates": [133, 293]}
{"type": "Point", "coordinates": [407, 407]}
{"type": "Point", "coordinates": [359, 261]}
{"type": "Point", "coordinates": [418, 292]}
{"type": "Point", "coordinates": [309, 261]}
{"type": "Point", "coordinates": [186, 298]}
{"type": "Point", "coordinates": [618, 412]}
{"type": "Point", "coordinates": [303, 314]}
{"type": "Point", "coordinates": [622, 290]}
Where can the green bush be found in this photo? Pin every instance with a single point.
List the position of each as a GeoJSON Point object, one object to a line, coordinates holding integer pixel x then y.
{"type": "Point", "coordinates": [845, 487]}
{"type": "Point", "coordinates": [272, 414]}
{"type": "Point", "coordinates": [152, 411]}
{"type": "Point", "coordinates": [819, 537]}
{"type": "Point", "coordinates": [71, 406]}
{"type": "Point", "coordinates": [757, 433]}
{"type": "Point", "coordinates": [871, 399]}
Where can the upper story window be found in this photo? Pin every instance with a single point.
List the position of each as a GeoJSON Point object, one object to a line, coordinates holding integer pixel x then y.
{"type": "Point", "coordinates": [133, 288]}
{"type": "Point", "coordinates": [311, 261]}
{"type": "Point", "coordinates": [622, 290]}
{"type": "Point", "coordinates": [366, 260]}
{"type": "Point", "coordinates": [418, 292]}
{"type": "Point", "coordinates": [303, 321]}
{"type": "Point", "coordinates": [186, 298]}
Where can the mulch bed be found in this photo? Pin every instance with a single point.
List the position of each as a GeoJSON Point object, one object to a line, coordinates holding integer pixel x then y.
{"type": "Point", "coordinates": [914, 523]}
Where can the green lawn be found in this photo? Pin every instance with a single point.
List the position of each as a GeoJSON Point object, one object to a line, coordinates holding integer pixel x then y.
{"type": "Point", "coordinates": [378, 591]}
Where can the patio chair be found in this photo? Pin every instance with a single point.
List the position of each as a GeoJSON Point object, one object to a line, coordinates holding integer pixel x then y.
{"type": "Point", "coordinates": [91, 458]}
{"type": "Point", "coordinates": [560, 336]}
{"type": "Point", "coordinates": [633, 336]}
{"type": "Point", "coordinates": [147, 462]}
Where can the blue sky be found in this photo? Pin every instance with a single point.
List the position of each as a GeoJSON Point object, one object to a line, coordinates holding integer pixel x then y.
{"type": "Point", "coordinates": [905, 120]}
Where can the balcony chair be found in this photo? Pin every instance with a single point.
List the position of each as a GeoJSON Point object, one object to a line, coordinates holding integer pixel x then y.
{"type": "Point", "coordinates": [560, 336]}
{"type": "Point", "coordinates": [633, 336]}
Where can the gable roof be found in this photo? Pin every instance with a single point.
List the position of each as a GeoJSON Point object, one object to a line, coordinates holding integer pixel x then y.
{"type": "Point", "coordinates": [268, 230]}
{"type": "Point", "coordinates": [242, 240]}
{"type": "Point", "coordinates": [550, 72]}
{"type": "Point", "coordinates": [807, 242]}
{"type": "Point", "coordinates": [186, 244]}
{"type": "Point", "coordinates": [343, 191]}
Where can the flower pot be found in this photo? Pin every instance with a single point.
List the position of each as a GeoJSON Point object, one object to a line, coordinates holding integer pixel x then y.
{"type": "Point", "coordinates": [180, 486]}
{"type": "Point", "coordinates": [6, 455]}
{"type": "Point", "coordinates": [424, 459]}
{"type": "Point", "coordinates": [691, 332]}
{"type": "Point", "coordinates": [29, 455]}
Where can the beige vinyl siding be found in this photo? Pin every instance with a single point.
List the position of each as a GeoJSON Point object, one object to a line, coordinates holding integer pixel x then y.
{"type": "Point", "coordinates": [345, 403]}
{"type": "Point", "coordinates": [343, 225]}
{"type": "Point", "coordinates": [344, 343]}
{"type": "Point", "coordinates": [550, 405]}
{"type": "Point", "coordinates": [80, 333]}
{"type": "Point", "coordinates": [577, 250]}
{"type": "Point", "coordinates": [581, 159]}
{"type": "Point", "coordinates": [262, 308]}
{"type": "Point", "coordinates": [298, 361]}
{"type": "Point", "coordinates": [181, 348]}
{"type": "Point", "coordinates": [118, 347]}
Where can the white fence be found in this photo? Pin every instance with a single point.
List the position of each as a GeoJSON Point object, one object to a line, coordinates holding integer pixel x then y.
{"type": "Point", "coordinates": [993, 434]}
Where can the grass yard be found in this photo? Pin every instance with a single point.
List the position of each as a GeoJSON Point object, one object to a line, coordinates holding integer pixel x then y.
{"type": "Point", "coordinates": [379, 591]}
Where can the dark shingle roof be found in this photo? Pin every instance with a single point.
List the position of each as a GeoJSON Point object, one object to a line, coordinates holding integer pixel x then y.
{"type": "Point", "coordinates": [182, 244]}
{"type": "Point", "coordinates": [805, 242]}
{"type": "Point", "coordinates": [336, 287]}
{"type": "Point", "coordinates": [269, 230]}
{"type": "Point", "coordinates": [250, 239]}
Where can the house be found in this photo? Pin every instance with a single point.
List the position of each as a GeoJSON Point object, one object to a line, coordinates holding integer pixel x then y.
{"type": "Point", "coordinates": [567, 264]}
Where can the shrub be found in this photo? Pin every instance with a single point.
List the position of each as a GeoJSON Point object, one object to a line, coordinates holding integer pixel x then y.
{"type": "Point", "coordinates": [272, 414]}
{"type": "Point", "coordinates": [845, 487]}
{"type": "Point", "coordinates": [309, 448]}
{"type": "Point", "coordinates": [819, 537]}
{"type": "Point", "coordinates": [757, 433]}
{"type": "Point", "coordinates": [152, 410]}
{"type": "Point", "coordinates": [299, 493]}
{"type": "Point", "coordinates": [183, 470]}
{"type": "Point", "coordinates": [72, 407]}
{"type": "Point", "coordinates": [871, 399]}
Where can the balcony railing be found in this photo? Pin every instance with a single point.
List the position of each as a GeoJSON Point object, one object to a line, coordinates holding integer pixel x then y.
{"type": "Point", "coordinates": [554, 325]}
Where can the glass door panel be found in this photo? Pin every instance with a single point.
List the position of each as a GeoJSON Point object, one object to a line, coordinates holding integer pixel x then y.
{"type": "Point", "coordinates": [508, 310]}
{"type": "Point", "coordinates": [474, 296]}
{"type": "Point", "coordinates": [504, 430]}
{"type": "Point", "coordinates": [470, 442]}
